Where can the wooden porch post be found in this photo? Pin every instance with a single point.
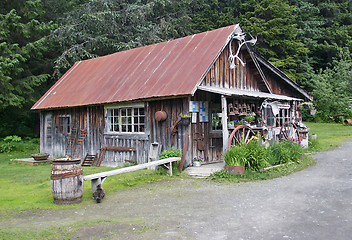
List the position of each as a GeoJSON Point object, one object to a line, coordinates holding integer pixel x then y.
{"type": "Point", "coordinates": [225, 131]}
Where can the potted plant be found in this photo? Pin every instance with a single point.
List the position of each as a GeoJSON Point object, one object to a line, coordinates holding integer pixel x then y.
{"type": "Point", "coordinates": [250, 118]}
{"type": "Point", "coordinates": [197, 161]}
{"type": "Point", "coordinates": [185, 119]}
{"type": "Point", "coordinates": [235, 159]}
{"type": "Point", "coordinates": [40, 156]}
{"type": "Point", "coordinates": [231, 124]}
{"type": "Point", "coordinates": [313, 111]}
{"type": "Point", "coordinates": [240, 122]}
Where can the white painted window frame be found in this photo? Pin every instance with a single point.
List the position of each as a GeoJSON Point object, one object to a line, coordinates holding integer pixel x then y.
{"type": "Point", "coordinates": [119, 107]}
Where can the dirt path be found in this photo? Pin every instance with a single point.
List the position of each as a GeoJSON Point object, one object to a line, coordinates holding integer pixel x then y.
{"type": "Point", "coordinates": [313, 204]}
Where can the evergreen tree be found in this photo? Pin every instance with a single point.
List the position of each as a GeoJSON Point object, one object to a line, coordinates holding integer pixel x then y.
{"type": "Point", "coordinates": [22, 60]}
{"type": "Point", "coordinates": [100, 27]}
{"type": "Point", "coordinates": [274, 23]}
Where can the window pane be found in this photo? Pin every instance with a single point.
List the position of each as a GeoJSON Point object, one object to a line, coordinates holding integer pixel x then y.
{"type": "Point", "coordinates": [141, 119]}
{"type": "Point", "coordinates": [268, 114]}
{"type": "Point", "coordinates": [216, 123]}
{"type": "Point", "coordinates": [123, 120]}
{"type": "Point", "coordinates": [141, 111]}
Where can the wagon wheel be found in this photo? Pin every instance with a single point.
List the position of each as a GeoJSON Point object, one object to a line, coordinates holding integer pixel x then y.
{"type": "Point", "coordinates": [240, 135]}
{"type": "Point", "coordinates": [289, 131]}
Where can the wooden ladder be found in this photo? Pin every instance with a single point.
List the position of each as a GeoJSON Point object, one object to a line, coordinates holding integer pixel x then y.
{"type": "Point", "coordinates": [89, 159]}
{"type": "Point", "coordinates": [78, 146]}
{"type": "Point", "coordinates": [71, 142]}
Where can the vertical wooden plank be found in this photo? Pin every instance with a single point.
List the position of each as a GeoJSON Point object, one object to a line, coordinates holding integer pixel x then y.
{"type": "Point", "coordinates": [218, 82]}
{"type": "Point", "coordinates": [225, 132]}
{"type": "Point", "coordinates": [226, 68]}
{"type": "Point", "coordinates": [212, 76]}
{"type": "Point", "coordinates": [207, 79]}
{"type": "Point", "coordinates": [221, 70]}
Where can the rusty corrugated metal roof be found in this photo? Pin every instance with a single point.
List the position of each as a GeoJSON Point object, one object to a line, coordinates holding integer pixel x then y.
{"type": "Point", "coordinates": [165, 69]}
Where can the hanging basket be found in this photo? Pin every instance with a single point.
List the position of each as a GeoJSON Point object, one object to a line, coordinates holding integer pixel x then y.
{"type": "Point", "coordinates": [185, 121]}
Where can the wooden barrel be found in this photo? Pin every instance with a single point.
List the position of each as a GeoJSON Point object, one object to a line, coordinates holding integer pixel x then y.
{"type": "Point", "coordinates": [67, 181]}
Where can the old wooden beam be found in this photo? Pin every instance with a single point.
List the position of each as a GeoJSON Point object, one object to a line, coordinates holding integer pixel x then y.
{"type": "Point", "coordinates": [225, 131]}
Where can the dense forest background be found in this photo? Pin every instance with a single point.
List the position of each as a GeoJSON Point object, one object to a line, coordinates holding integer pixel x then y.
{"type": "Point", "coordinates": [310, 40]}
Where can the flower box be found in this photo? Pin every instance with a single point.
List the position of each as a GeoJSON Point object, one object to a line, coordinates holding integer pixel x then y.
{"type": "Point", "coordinates": [40, 156]}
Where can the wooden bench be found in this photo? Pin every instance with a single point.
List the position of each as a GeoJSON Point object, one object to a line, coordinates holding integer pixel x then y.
{"type": "Point", "coordinates": [99, 178]}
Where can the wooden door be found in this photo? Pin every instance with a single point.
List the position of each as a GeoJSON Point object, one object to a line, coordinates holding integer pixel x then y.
{"type": "Point", "coordinates": [215, 134]}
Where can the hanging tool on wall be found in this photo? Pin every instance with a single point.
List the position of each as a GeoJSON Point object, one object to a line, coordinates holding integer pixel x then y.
{"type": "Point", "coordinates": [174, 130]}
{"type": "Point", "coordinates": [200, 139]}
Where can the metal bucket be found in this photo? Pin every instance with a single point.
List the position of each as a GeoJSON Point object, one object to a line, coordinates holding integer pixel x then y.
{"type": "Point", "coordinates": [67, 181]}
{"type": "Point", "coordinates": [347, 122]}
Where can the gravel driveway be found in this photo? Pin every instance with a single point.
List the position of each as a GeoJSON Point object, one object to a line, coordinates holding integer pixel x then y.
{"type": "Point", "coordinates": [312, 204]}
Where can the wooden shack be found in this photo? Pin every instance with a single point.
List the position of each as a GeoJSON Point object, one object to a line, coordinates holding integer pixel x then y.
{"type": "Point", "coordinates": [136, 97]}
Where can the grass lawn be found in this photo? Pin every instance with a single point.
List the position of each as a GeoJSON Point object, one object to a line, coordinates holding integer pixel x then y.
{"type": "Point", "coordinates": [330, 135]}
{"type": "Point", "coordinates": [25, 187]}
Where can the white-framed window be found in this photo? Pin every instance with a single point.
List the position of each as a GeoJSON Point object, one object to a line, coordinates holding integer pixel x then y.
{"type": "Point", "coordinates": [65, 124]}
{"type": "Point", "coordinates": [283, 116]}
{"type": "Point", "coordinates": [125, 119]}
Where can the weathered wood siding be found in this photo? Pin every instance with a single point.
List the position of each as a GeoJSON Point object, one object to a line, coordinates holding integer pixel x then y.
{"type": "Point", "coordinates": [241, 77]}
{"type": "Point", "coordinates": [54, 141]}
{"type": "Point", "coordinates": [279, 87]}
{"type": "Point", "coordinates": [161, 131]}
{"type": "Point", "coordinates": [92, 118]}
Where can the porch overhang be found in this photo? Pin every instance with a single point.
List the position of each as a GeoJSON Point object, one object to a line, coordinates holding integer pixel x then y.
{"type": "Point", "coordinates": [245, 93]}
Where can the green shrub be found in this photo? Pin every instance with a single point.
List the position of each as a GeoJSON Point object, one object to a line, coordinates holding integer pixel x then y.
{"type": "Point", "coordinates": [252, 155]}
{"type": "Point", "coordinates": [313, 145]}
{"type": "Point", "coordinates": [255, 156]}
{"type": "Point", "coordinates": [15, 144]}
{"type": "Point", "coordinates": [168, 153]}
{"type": "Point", "coordinates": [7, 147]}
{"type": "Point", "coordinates": [236, 156]}
{"type": "Point", "coordinates": [13, 138]}
{"type": "Point", "coordinates": [171, 152]}
{"type": "Point", "coordinates": [284, 152]}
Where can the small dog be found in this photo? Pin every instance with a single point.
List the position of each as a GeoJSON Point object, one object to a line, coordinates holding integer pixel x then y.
{"type": "Point", "coordinates": [99, 194]}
